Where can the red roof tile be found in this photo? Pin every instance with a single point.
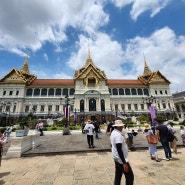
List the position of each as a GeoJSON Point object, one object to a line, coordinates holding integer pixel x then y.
{"type": "Point", "coordinates": [124, 82]}
{"type": "Point", "coordinates": [71, 82]}
{"type": "Point", "coordinates": [53, 81]}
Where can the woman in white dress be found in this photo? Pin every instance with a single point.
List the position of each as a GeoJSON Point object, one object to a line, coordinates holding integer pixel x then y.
{"type": "Point", "coordinates": [151, 147]}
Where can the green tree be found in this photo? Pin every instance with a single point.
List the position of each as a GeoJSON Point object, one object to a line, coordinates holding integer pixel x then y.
{"type": "Point", "coordinates": [142, 118]}
{"type": "Point", "coordinates": [64, 121]}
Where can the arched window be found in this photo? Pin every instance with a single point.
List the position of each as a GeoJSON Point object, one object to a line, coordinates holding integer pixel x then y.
{"type": "Point", "coordinates": [146, 92]}
{"type": "Point", "coordinates": [58, 92]}
{"type": "Point", "coordinates": [92, 104]}
{"type": "Point", "coordinates": [102, 105]}
{"type": "Point", "coordinates": [81, 105]}
{"type": "Point", "coordinates": [44, 92]}
{"type": "Point", "coordinates": [133, 91]}
{"type": "Point", "coordinates": [127, 91]}
{"type": "Point", "coordinates": [65, 92]}
{"type": "Point", "coordinates": [115, 91]}
{"type": "Point", "coordinates": [29, 92]}
{"type": "Point", "coordinates": [72, 91]}
{"type": "Point", "coordinates": [121, 92]}
{"type": "Point", "coordinates": [36, 92]}
{"type": "Point", "coordinates": [139, 92]}
{"type": "Point", "coordinates": [51, 92]}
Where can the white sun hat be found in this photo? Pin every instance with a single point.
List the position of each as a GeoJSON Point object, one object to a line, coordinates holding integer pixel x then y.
{"type": "Point", "coordinates": [118, 123]}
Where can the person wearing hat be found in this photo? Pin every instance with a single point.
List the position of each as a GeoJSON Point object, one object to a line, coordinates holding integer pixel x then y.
{"type": "Point", "coordinates": [151, 147]}
{"type": "Point", "coordinates": [89, 127]}
{"type": "Point", "coordinates": [120, 154]}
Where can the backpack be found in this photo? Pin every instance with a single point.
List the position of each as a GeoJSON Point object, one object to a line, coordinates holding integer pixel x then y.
{"type": "Point", "coordinates": [170, 136]}
{"type": "Point", "coordinates": [96, 125]}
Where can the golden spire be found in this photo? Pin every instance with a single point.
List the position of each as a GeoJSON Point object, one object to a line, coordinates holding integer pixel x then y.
{"type": "Point", "coordinates": [147, 70]}
{"type": "Point", "coordinates": [25, 69]}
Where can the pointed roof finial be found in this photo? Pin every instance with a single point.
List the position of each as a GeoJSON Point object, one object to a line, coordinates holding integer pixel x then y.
{"type": "Point", "coordinates": [147, 70]}
{"type": "Point", "coordinates": [25, 69]}
{"type": "Point", "coordinates": [89, 53]}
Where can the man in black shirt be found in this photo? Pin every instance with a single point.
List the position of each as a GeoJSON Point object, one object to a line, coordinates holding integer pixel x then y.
{"type": "Point", "coordinates": [162, 133]}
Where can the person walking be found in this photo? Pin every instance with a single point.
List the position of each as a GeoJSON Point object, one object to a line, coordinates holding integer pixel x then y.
{"type": "Point", "coordinates": [182, 133]}
{"type": "Point", "coordinates": [40, 127]}
{"type": "Point", "coordinates": [89, 127]}
{"type": "Point", "coordinates": [8, 130]}
{"type": "Point", "coordinates": [83, 126]}
{"type": "Point", "coordinates": [3, 140]}
{"type": "Point", "coordinates": [162, 133]}
{"type": "Point", "coordinates": [96, 128]}
{"type": "Point", "coordinates": [110, 127]}
{"type": "Point", "coordinates": [151, 147]}
{"type": "Point", "coordinates": [173, 144]}
{"type": "Point", "coordinates": [120, 155]}
{"type": "Point", "coordinates": [106, 126]}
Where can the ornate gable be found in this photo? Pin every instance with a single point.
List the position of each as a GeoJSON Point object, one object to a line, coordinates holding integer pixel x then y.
{"type": "Point", "coordinates": [157, 77]}
{"type": "Point", "coordinates": [89, 73]}
{"type": "Point", "coordinates": [12, 77]}
{"type": "Point", "coordinates": [150, 77]}
{"type": "Point", "coordinates": [19, 76]}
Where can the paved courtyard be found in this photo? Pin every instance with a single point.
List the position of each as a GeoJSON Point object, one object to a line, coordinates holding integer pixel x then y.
{"type": "Point", "coordinates": [91, 169]}
{"type": "Point", "coordinates": [67, 160]}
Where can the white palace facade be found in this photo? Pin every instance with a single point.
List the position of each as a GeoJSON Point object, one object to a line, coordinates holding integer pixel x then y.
{"type": "Point", "coordinates": [89, 93]}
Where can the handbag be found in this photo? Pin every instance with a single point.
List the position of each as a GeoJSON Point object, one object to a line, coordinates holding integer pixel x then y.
{"type": "Point", "coordinates": [152, 139]}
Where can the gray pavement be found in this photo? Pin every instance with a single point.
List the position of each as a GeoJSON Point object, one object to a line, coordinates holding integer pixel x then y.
{"type": "Point", "coordinates": [53, 143]}
{"type": "Point", "coordinates": [67, 160]}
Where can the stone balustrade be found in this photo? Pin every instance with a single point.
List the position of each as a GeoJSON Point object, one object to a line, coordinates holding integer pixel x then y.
{"type": "Point", "coordinates": [19, 145]}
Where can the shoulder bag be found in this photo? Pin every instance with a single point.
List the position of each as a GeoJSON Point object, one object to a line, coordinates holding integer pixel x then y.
{"type": "Point", "coordinates": [170, 136]}
{"type": "Point", "coordinates": [152, 139]}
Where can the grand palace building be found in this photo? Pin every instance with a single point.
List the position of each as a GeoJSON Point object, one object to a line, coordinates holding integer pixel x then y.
{"type": "Point", "coordinates": [89, 94]}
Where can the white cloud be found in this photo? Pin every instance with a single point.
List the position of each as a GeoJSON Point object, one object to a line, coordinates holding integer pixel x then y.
{"type": "Point", "coordinates": [105, 53]}
{"type": "Point", "coordinates": [163, 50]}
{"type": "Point", "coordinates": [62, 76]}
{"type": "Point", "coordinates": [122, 3]}
{"type": "Point", "coordinates": [28, 24]}
{"type": "Point", "coordinates": [18, 51]}
{"type": "Point", "coordinates": [140, 6]}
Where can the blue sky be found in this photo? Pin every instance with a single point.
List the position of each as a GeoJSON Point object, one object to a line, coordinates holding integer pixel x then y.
{"type": "Point", "coordinates": [55, 35]}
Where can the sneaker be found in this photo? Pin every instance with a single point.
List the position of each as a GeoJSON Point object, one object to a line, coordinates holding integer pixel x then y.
{"type": "Point", "coordinates": [157, 160]}
{"type": "Point", "coordinates": [89, 146]}
{"type": "Point", "coordinates": [170, 158]}
{"type": "Point", "coordinates": [93, 146]}
{"type": "Point", "coordinates": [166, 159]}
